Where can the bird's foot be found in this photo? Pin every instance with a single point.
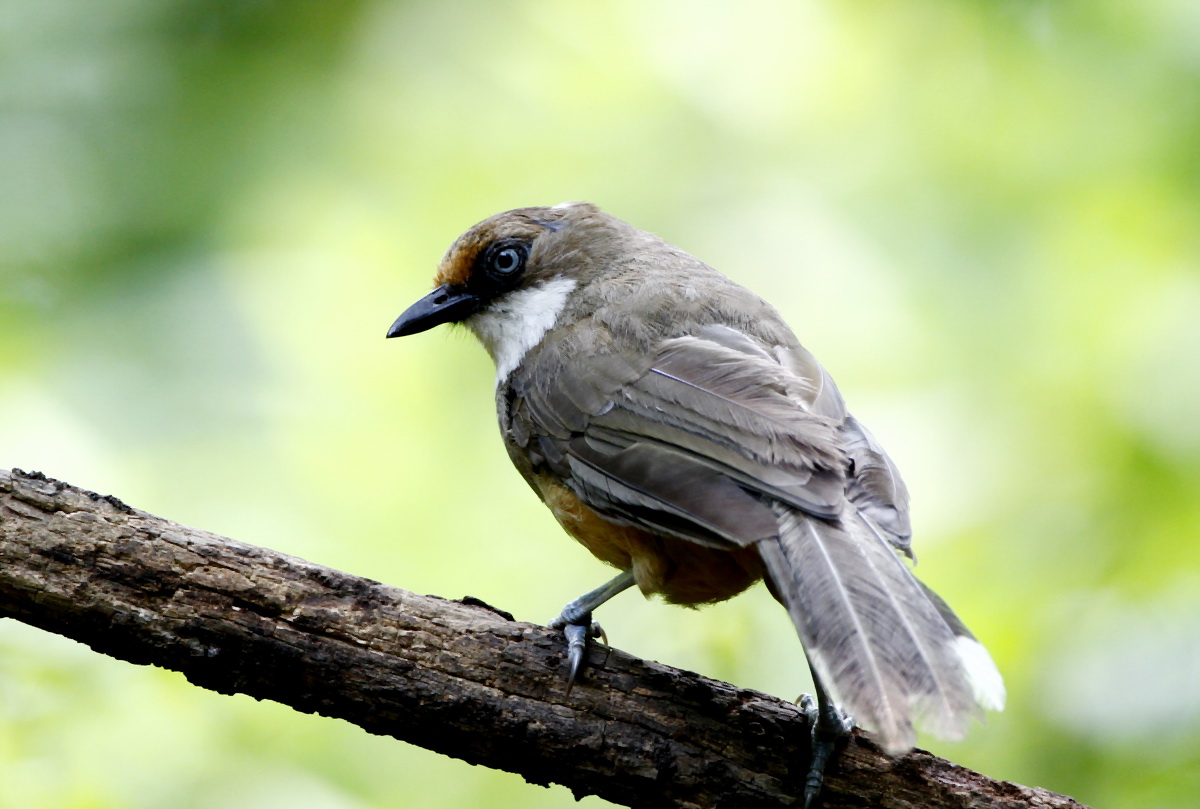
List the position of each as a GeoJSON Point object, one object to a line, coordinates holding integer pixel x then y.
{"type": "Point", "coordinates": [579, 627]}
{"type": "Point", "coordinates": [576, 621]}
{"type": "Point", "coordinates": [831, 727]}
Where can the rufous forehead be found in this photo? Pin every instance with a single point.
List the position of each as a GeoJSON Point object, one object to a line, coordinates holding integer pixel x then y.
{"type": "Point", "coordinates": [459, 260]}
{"type": "Point", "coordinates": [524, 223]}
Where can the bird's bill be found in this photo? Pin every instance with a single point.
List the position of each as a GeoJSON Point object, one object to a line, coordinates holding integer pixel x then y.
{"type": "Point", "coordinates": [446, 304]}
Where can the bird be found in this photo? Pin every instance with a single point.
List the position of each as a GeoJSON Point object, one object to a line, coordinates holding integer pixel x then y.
{"type": "Point", "coordinates": [677, 429]}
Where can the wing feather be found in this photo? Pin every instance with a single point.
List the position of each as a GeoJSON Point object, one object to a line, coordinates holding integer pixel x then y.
{"type": "Point", "coordinates": [726, 441]}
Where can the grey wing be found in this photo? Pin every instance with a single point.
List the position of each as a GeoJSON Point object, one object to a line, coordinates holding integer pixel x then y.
{"type": "Point", "coordinates": [915, 659]}
{"type": "Point", "coordinates": [686, 442]}
{"type": "Point", "coordinates": [721, 440]}
{"type": "Point", "coordinates": [874, 483]}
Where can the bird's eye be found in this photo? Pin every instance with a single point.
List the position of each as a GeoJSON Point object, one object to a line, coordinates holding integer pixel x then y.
{"type": "Point", "coordinates": [507, 261]}
{"type": "Point", "coordinates": [502, 264]}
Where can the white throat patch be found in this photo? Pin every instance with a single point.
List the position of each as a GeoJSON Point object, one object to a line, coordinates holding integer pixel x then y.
{"type": "Point", "coordinates": [512, 325]}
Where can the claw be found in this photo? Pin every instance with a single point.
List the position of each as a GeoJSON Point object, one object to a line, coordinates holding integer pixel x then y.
{"type": "Point", "coordinates": [831, 726]}
{"type": "Point", "coordinates": [577, 637]}
{"type": "Point", "coordinates": [576, 622]}
{"type": "Point", "coordinates": [578, 634]}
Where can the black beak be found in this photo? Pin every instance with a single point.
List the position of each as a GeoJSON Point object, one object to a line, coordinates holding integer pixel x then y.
{"type": "Point", "coordinates": [446, 304]}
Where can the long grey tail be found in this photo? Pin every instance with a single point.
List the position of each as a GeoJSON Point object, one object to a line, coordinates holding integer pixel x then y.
{"type": "Point", "coordinates": [883, 644]}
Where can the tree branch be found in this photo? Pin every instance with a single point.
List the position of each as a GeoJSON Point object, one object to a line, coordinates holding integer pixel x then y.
{"type": "Point", "coordinates": [460, 678]}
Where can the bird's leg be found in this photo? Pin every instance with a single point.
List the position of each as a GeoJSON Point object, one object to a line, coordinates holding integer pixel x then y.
{"type": "Point", "coordinates": [831, 727]}
{"type": "Point", "coordinates": [575, 621]}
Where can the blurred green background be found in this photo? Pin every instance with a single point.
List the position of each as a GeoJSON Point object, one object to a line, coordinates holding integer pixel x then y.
{"type": "Point", "coordinates": [982, 216]}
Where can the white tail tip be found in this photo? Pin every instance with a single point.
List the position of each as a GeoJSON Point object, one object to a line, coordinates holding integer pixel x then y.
{"type": "Point", "coordinates": [985, 679]}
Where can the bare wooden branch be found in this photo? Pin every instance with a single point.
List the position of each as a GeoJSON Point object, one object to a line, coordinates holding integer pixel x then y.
{"type": "Point", "coordinates": [460, 678]}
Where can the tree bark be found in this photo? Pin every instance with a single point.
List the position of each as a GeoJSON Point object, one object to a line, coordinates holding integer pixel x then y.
{"type": "Point", "coordinates": [458, 677]}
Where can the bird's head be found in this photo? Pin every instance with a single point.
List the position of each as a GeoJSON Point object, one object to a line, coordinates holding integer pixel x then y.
{"type": "Point", "coordinates": [516, 253]}
{"type": "Point", "coordinates": [509, 277]}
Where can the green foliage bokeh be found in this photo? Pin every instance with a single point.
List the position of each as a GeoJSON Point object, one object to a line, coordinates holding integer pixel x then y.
{"type": "Point", "coordinates": [982, 216]}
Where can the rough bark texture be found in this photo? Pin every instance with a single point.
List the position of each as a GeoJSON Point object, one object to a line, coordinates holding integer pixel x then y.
{"type": "Point", "coordinates": [460, 678]}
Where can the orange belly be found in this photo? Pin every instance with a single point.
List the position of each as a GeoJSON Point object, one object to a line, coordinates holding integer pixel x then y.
{"type": "Point", "coordinates": [680, 571]}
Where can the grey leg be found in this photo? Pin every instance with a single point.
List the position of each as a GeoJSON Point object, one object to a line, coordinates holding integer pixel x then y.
{"type": "Point", "coordinates": [830, 728]}
{"type": "Point", "coordinates": [576, 621]}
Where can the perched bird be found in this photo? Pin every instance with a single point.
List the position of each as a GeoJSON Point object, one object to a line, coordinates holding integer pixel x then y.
{"type": "Point", "coordinates": [678, 430]}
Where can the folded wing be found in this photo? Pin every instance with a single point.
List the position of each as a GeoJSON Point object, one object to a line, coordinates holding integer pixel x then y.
{"type": "Point", "coordinates": [721, 440]}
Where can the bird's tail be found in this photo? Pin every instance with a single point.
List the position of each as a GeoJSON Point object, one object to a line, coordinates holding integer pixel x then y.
{"type": "Point", "coordinates": [885, 646]}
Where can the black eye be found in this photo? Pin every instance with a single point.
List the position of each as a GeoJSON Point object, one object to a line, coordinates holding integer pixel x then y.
{"type": "Point", "coordinates": [507, 261]}
{"type": "Point", "coordinates": [501, 265]}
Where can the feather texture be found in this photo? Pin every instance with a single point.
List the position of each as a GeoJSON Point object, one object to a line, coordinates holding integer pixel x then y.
{"type": "Point", "coordinates": [727, 440]}
{"type": "Point", "coordinates": [677, 429]}
{"type": "Point", "coordinates": [872, 634]}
